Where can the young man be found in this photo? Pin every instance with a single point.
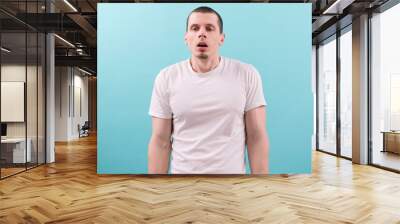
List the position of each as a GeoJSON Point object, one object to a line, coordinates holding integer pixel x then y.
{"type": "Point", "coordinates": [207, 108]}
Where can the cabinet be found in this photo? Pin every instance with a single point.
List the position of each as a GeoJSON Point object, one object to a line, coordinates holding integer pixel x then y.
{"type": "Point", "coordinates": [391, 141]}
{"type": "Point", "coordinates": [13, 150]}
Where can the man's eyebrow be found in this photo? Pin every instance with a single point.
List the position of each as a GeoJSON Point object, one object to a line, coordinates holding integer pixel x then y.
{"type": "Point", "coordinates": [208, 24]}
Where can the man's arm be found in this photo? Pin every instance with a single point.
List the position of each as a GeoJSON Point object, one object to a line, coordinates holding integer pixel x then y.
{"type": "Point", "coordinates": [257, 140]}
{"type": "Point", "coordinates": [160, 146]}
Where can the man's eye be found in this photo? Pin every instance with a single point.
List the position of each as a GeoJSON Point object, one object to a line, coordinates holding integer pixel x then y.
{"type": "Point", "coordinates": [210, 28]}
{"type": "Point", "coordinates": [195, 28]}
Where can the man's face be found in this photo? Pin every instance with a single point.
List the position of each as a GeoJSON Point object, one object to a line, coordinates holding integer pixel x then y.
{"type": "Point", "coordinates": [203, 36]}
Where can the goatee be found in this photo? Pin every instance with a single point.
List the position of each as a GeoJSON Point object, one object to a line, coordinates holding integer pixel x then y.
{"type": "Point", "coordinates": [202, 56]}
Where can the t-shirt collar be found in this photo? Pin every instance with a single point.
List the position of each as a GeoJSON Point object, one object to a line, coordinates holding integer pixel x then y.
{"type": "Point", "coordinates": [206, 74]}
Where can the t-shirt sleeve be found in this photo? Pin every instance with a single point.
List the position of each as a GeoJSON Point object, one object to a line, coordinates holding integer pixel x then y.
{"type": "Point", "coordinates": [159, 105]}
{"type": "Point", "coordinates": [254, 90]}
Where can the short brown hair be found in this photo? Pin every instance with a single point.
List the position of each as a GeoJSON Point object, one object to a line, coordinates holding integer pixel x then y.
{"type": "Point", "coordinates": [206, 9]}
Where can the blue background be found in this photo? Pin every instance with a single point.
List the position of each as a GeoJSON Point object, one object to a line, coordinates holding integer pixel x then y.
{"type": "Point", "coordinates": [135, 41]}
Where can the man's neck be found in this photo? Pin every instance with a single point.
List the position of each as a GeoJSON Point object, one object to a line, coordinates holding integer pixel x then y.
{"type": "Point", "coordinates": [204, 65]}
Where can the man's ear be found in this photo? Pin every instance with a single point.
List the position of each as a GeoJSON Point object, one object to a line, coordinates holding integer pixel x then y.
{"type": "Point", "coordinates": [185, 38]}
{"type": "Point", "coordinates": [222, 39]}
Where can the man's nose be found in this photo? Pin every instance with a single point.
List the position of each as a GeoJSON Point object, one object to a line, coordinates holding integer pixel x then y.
{"type": "Point", "coordinates": [202, 33]}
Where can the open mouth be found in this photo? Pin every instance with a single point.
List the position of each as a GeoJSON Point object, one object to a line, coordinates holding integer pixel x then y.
{"type": "Point", "coordinates": [201, 44]}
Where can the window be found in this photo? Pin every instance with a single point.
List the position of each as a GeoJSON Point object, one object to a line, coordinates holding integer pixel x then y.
{"type": "Point", "coordinates": [346, 74]}
{"type": "Point", "coordinates": [327, 96]}
{"type": "Point", "coordinates": [385, 88]}
{"type": "Point", "coordinates": [22, 67]}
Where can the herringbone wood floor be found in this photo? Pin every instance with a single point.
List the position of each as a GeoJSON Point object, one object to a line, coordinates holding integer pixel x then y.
{"type": "Point", "coordinates": [70, 191]}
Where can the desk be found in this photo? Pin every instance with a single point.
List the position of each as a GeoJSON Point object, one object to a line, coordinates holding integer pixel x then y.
{"type": "Point", "coordinates": [391, 141]}
{"type": "Point", "coordinates": [15, 148]}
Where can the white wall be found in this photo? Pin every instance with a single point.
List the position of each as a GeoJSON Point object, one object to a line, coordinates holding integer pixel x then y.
{"type": "Point", "coordinates": [80, 89]}
{"type": "Point", "coordinates": [9, 73]}
{"type": "Point", "coordinates": [71, 87]}
{"type": "Point", "coordinates": [33, 127]}
{"type": "Point", "coordinates": [62, 81]}
{"type": "Point", "coordinates": [15, 72]}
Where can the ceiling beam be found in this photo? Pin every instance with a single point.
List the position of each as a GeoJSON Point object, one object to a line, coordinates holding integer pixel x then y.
{"type": "Point", "coordinates": [86, 26]}
{"type": "Point", "coordinates": [84, 61]}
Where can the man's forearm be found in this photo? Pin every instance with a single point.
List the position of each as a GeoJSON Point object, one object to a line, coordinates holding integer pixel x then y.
{"type": "Point", "coordinates": [258, 150]}
{"type": "Point", "coordinates": [158, 156]}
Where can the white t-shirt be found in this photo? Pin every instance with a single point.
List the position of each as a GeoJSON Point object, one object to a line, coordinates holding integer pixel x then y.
{"type": "Point", "coordinates": [208, 114]}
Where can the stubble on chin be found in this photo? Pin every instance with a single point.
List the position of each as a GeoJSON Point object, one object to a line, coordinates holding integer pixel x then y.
{"type": "Point", "coordinates": [202, 56]}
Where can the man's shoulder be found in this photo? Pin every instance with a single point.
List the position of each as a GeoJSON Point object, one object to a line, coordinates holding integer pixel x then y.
{"type": "Point", "coordinates": [174, 68]}
{"type": "Point", "coordinates": [238, 65]}
{"type": "Point", "coordinates": [171, 72]}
